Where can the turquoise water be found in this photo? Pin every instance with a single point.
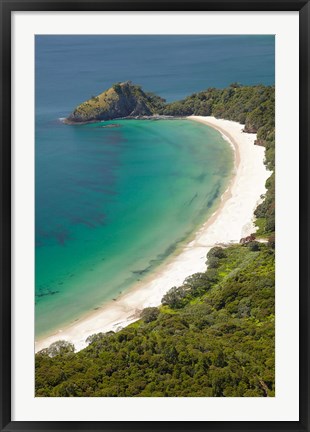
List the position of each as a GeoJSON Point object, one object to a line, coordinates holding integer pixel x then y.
{"type": "Point", "coordinates": [113, 203]}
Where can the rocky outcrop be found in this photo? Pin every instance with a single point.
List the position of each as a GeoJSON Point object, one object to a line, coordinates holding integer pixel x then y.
{"type": "Point", "coordinates": [260, 142]}
{"type": "Point", "coordinates": [249, 128]}
{"type": "Point", "coordinates": [121, 100]}
{"type": "Point", "coordinates": [248, 239]}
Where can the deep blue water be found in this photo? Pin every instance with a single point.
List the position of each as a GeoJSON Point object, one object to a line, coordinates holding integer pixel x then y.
{"type": "Point", "coordinates": [70, 69]}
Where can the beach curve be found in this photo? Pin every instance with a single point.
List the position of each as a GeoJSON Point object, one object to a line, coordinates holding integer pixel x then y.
{"type": "Point", "coordinates": [232, 220]}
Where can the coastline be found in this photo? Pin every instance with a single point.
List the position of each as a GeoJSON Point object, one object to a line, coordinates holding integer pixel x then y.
{"type": "Point", "coordinates": [232, 220]}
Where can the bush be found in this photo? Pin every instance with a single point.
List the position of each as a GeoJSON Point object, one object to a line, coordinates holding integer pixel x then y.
{"type": "Point", "coordinates": [60, 347]}
{"type": "Point", "coordinates": [117, 88]}
{"type": "Point", "coordinates": [254, 246]}
{"type": "Point", "coordinates": [98, 337]}
{"type": "Point", "coordinates": [213, 262]}
{"type": "Point", "coordinates": [174, 297]}
{"type": "Point", "coordinates": [149, 314]}
{"type": "Point", "coordinates": [217, 252]}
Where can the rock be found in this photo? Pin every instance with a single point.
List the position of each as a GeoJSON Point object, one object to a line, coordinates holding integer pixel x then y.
{"type": "Point", "coordinates": [248, 239]}
{"type": "Point", "coordinates": [249, 128]}
{"type": "Point", "coordinates": [111, 125]}
{"type": "Point", "coordinates": [260, 142]}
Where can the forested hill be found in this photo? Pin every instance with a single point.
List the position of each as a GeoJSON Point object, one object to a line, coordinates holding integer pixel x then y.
{"type": "Point", "coordinates": [213, 336]}
{"type": "Point", "coordinates": [249, 105]}
{"type": "Point", "coordinates": [121, 100]}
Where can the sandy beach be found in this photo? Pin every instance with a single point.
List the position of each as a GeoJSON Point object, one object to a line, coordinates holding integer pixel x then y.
{"type": "Point", "coordinates": [232, 220]}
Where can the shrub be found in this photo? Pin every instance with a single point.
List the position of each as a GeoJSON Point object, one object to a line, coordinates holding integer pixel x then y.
{"type": "Point", "coordinates": [149, 314]}
{"type": "Point", "coordinates": [174, 297]}
{"type": "Point", "coordinates": [213, 262]}
{"type": "Point", "coordinates": [60, 347]}
{"type": "Point", "coordinates": [254, 246]}
{"type": "Point", "coordinates": [217, 252]}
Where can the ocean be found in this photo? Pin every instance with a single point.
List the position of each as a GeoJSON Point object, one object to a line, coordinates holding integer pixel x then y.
{"type": "Point", "coordinates": [113, 203]}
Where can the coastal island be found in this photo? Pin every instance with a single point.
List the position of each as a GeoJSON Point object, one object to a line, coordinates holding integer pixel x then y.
{"type": "Point", "coordinates": [122, 100]}
{"type": "Point", "coordinates": [191, 329]}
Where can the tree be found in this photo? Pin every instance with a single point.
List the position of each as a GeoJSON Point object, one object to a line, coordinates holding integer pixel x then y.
{"type": "Point", "coordinates": [60, 347]}
{"type": "Point", "coordinates": [98, 337]}
{"type": "Point", "coordinates": [174, 297]}
{"type": "Point", "coordinates": [213, 262]}
{"type": "Point", "coordinates": [117, 88]}
{"type": "Point", "coordinates": [217, 252]}
{"type": "Point", "coordinates": [254, 246]}
{"type": "Point", "coordinates": [149, 314]}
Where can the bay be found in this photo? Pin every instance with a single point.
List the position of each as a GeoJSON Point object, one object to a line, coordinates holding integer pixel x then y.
{"type": "Point", "coordinates": [113, 203]}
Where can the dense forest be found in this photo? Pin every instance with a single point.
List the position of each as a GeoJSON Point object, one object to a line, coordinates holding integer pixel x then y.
{"type": "Point", "coordinates": [214, 335]}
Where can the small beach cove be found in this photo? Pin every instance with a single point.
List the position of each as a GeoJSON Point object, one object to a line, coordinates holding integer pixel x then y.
{"type": "Point", "coordinates": [232, 220]}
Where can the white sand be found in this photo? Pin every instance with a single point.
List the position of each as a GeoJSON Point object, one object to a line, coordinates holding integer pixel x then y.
{"type": "Point", "coordinates": [232, 220]}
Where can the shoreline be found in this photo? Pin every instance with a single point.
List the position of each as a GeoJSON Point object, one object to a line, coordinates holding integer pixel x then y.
{"type": "Point", "coordinates": [232, 220]}
{"type": "Point", "coordinates": [67, 121]}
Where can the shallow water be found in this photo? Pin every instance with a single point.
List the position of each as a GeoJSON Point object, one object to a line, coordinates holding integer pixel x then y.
{"type": "Point", "coordinates": [112, 203]}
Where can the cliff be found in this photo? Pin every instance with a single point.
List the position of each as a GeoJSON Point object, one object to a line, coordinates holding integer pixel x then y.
{"type": "Point", "coordinates": [121, 100]}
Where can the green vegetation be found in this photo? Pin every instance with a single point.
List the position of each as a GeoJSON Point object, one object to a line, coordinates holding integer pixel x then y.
{"type": "Point", "coordinates": [217, 341]}
{"type": "Point", "coordinates": [121, 100]}
{"type": "Point", "coordinates": [249, 105]}
{"type": "Point", "coordinates": [155, 102]}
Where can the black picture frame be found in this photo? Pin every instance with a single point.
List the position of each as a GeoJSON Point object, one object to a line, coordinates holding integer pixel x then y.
{"type": "Point", "coordinates": [7, 7]}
